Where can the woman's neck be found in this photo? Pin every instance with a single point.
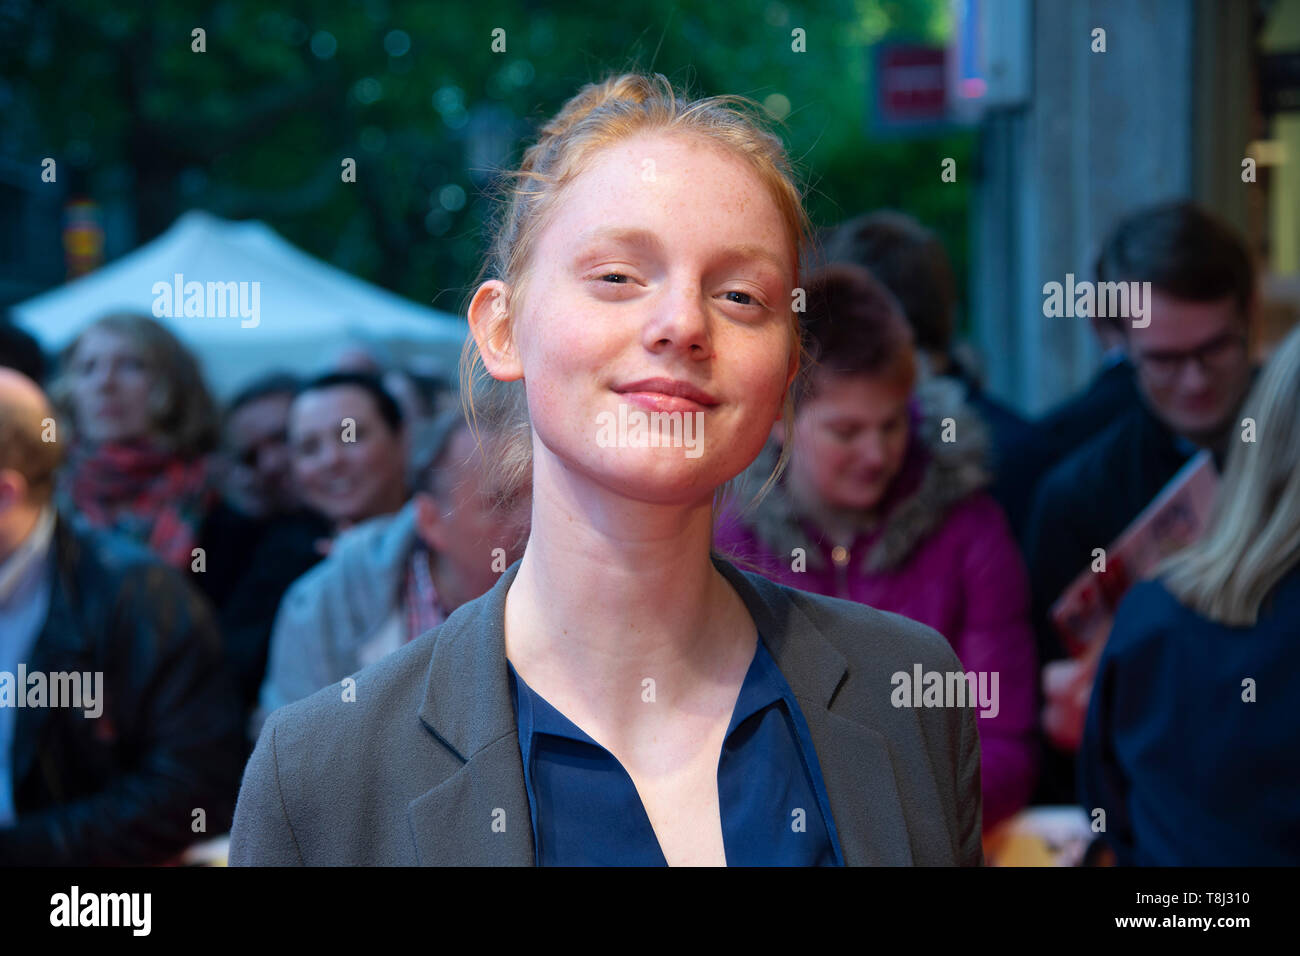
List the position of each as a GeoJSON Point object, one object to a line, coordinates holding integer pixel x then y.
{"type": "Point", "coordinates": [613, 593]}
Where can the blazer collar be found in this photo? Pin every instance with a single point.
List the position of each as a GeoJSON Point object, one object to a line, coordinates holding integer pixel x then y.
{"type": "Point", "coordinates": [467, 706]}
{"type": "Point", "coordinates": [467, 698]}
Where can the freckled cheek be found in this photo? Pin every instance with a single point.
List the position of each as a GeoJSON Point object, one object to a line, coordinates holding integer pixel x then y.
{"type": "Point", "coordinates": [760, 377]}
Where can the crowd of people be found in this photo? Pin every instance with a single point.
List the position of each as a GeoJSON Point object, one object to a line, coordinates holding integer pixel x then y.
{"type": "Point", "coordinates": [217, 564]}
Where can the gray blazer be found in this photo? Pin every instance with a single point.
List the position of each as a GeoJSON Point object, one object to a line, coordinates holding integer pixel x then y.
{"type": "Point", "coordinates": [423, 766]}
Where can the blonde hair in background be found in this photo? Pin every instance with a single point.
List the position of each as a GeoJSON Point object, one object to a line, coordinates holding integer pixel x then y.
{"type": "Point", "coordinates": [181, 409]}
{"type": "Point", "coordinates": [598, 116]}
{"type": "Point", "coordinates": [1253, 538]}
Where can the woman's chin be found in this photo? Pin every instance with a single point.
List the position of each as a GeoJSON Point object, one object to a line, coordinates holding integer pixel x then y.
{"type": "Point", "coordinates": [657, 475]}
{"type": "Point", "coordinates": [861, 501]}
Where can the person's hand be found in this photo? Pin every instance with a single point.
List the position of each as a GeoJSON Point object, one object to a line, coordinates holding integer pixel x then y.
{"type": "Point", "coordinates": [1067, 688]}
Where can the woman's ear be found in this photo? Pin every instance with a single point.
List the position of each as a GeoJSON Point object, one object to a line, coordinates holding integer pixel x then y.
{"type": "Point", "coordinates": [489, 323]}
{"type": "Point", "coordinates": [428, 523]}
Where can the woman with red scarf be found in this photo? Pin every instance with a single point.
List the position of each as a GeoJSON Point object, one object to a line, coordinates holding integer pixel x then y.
{"type": "Point", "coordinates": [142, 425]}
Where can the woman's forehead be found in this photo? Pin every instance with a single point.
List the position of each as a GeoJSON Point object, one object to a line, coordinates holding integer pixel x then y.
{"type": "Point", "coordinates": [670, 185]}
{"type": "Point", "coordinates": [579, 239]}
{"type": "Point", "coordinates": [319, 402]}
{"type": "Point", "coordinates": [104, 339]}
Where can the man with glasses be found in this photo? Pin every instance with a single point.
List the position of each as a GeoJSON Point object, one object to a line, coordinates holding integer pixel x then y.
{"type": "Point", "coordinates": [1193, 372]}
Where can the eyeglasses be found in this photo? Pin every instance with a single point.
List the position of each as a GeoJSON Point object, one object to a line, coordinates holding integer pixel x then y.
{"type": "Point", "coordinates": [1217, 355]}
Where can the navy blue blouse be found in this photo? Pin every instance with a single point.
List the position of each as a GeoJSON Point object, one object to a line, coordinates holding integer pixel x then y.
{"type": "Point", "coordinates": [586, 810]}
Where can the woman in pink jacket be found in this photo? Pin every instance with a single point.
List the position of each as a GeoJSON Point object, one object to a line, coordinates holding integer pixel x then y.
{"type": "Point", "coordinates": [882, 503]}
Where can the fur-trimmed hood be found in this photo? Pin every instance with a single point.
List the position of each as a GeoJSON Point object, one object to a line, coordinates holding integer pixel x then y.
{"type": "Point", "coordinates": [935, 476]}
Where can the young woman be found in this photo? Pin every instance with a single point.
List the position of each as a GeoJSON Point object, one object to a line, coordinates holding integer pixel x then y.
{"type": "Point", "coordinates": [348, 478]}
{"type": "Point", "coordinates": [885, 502]}
{"type": "Point", "coordinates": [143, 425]}
{"type": "Point", "coordinates": [621, 696]}
{"type": "Point", "coordinates": [1191, 740]}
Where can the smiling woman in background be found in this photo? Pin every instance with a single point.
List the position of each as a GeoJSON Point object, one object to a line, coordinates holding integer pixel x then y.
{"type": "Point", "coordinates": [622, 695]}
{"type": "Point", "coordinates": [886, 498]}
{"type": "Point", "coordinates": [142, 426]}
{"type": "Point", "coordinates": [347, 439]}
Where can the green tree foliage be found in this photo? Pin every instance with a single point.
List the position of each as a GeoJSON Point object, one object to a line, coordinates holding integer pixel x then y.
{"type": "Point", "coordinates": [258, 125]}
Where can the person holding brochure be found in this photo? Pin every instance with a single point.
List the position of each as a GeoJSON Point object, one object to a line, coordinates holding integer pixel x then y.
{"type": "Point", "coordinates": [623, 695]}
{"type": "Point", "coordinates": [1191, 742]}
{"type": "Point", "coordinates": [1193, 363]}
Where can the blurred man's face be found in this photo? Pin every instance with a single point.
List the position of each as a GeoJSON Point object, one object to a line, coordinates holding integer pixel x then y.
{"type": "Point", "coordinates": [346, 480]}
{"type": "Point", "coordinates": [111, 385]}
{"type": "Point", "coordinates": [463, 528]}
{"type": "Point", "coordinates": [1193, 364]}
{"type": "Point", "coordinates": [260, 477]}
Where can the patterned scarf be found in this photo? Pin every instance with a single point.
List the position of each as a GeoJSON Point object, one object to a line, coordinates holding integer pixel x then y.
{"type": "Point", "coordinates": [142, 491]}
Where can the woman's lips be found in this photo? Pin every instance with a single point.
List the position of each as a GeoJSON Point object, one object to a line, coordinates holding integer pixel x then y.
{"type": "Point", "coordinates": [659, 402]}
{"type": "Point", "coordinates": [666, 395]}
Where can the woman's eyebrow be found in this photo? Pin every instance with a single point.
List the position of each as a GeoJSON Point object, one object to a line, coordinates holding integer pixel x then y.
{"type": "Point", "coordinates": [644, 238]}
{"type": "Point", "coordinates": [617, 234]}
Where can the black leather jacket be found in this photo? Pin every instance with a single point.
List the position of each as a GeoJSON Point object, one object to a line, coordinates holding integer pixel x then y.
{"type": "Point", "coordinates": [124, 788]}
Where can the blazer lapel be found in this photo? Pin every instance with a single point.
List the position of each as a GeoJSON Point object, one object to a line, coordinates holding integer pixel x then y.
{"type": "Point", "coordinates": [480, 814]}
{"type": "Point", "coordinates": [863, 792]}
{"type": "Point", "coordinates": [854, 758]}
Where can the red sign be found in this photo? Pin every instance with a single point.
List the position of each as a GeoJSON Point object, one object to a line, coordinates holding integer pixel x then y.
{"type": "Point", "coordinates": [911, 84]}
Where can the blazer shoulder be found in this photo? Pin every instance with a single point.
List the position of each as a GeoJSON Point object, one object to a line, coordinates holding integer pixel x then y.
{"type": "Point", "coordinates": [359, 709]}
{"type": "Point", "coordinates": [870, 639]}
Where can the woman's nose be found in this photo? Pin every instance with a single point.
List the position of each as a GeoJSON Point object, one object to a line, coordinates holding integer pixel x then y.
{"type": "Point", "coordinates": [872, 449]}
{"type": "Point", "coordinates": [681, 320]}
{"type": "Point", "coordinates": [102, 375]}
{"type": "Point", "coordinates": [334, 454]}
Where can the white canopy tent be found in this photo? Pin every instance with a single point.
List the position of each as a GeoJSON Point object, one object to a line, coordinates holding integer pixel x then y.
{"type": "Point", "coordinates": [247, 302]}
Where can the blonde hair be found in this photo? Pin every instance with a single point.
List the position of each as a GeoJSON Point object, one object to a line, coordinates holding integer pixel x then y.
{"type": "Point", "coordinates": [598, 116]}
{"type": "Point", "coordinates": [181, 409]}
{"type": "Point", "coordinates": [1253, 538]}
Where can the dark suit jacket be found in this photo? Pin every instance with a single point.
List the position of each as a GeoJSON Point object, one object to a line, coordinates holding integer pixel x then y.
{"type": "Point", "coordinates": [1013, 446]}
{"type": "Point", "coordinates": [122, 788]}
{"type": "Point", "coordinates": [1087, 500]}
{"type": "Point", "coordinates": [1084, 503]}
{"type": "Point", "coordinates": [424, 766]}
{"type": "Point", "coordinates": [1111, 394]}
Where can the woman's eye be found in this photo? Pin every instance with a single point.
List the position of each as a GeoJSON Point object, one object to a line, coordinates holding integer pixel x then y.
{"type": "Point", "coordinates": [745, 298]}
{"type": "Point", "coordinates": [614, 275]}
